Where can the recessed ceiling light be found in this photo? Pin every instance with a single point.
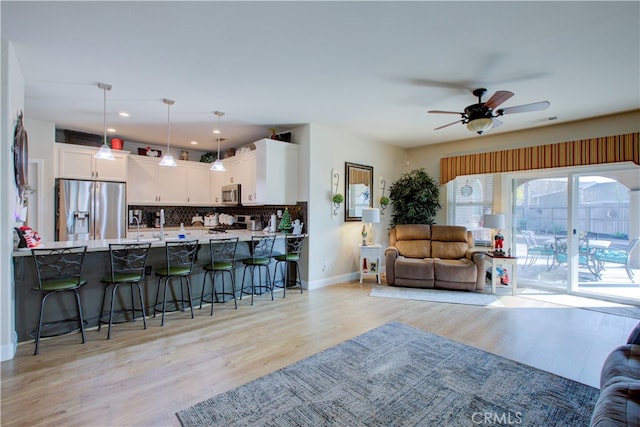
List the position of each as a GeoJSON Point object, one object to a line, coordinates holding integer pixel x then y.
{"type": "Point", "coordinates": [194, 143]}
{"type": "Point", "coordinates": [111, 130]}
{"type": "Point", "coordinates": [123, 114]}
{"type": "Point", "coordinates": [216, 131]}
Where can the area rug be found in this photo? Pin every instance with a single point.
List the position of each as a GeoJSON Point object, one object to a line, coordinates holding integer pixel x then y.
{"type": "Point", "coordinates": [397, 375]}
{"type": "Point", "coordinates": [436, 295]}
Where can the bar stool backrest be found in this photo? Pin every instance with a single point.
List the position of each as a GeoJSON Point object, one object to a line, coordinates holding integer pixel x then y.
{"type": "Point", "coordinates": [223, 250]}
{"type": "Point", "coordinates": [128, 259]}
{"type": "Point", "coordinates": [294, 244]}
{"type": "Point", "coordinates": [60, 263]}
{"type": "Point", "coordinates": [262, 246]}
{"type": "Point", "coordinates": [181, 254]}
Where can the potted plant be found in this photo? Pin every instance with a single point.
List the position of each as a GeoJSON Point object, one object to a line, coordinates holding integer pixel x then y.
{"type": "Point", "coordinates": [337, 200]}
{"type": "Point", "coordinates": [416, 198]}
{"type": "Point", "coordinates": [384, 203]}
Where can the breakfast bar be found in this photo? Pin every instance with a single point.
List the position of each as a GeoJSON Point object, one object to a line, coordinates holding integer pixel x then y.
{"type": "Point", "coordinates": [97, 266]}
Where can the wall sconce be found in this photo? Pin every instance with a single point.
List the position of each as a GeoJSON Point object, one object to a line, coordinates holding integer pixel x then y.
{"type": "Point", "coordinates": [336, 198]}
{"type": "Point", "coordinates": [384, 200]}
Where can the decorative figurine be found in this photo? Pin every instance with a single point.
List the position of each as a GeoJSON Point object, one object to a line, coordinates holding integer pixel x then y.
{"type": "Point", "coordinates": [498, 242]}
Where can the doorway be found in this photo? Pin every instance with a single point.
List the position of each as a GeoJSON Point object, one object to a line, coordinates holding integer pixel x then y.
{"type": "Point", "coordinates": [574, 230]}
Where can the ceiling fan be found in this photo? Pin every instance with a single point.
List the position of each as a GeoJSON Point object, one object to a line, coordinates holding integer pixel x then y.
{"type": "Point", "coordinates": [482, 116]}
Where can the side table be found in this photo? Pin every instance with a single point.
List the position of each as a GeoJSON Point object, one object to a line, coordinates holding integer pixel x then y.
{"type": "Point", "coordinates": [495, 260]}
{"type": "Point", "coordinates": [372, 256]}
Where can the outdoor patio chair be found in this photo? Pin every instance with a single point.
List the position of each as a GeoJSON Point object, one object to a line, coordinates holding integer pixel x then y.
{"type": "Point", "coordinates": [535, 250]}
{"type": "Point", "coordinates": [617, 256]}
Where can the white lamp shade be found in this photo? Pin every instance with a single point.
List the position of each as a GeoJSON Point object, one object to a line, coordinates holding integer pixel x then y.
{"type": "Point", "coordinates": [495, 221]}
{"type": "Point", "coordinates": [104, 153]}
{"type": "Point", "coordinates": [371, 215]}
{"type": "Point", "coordinates": [217, 166]}
{"type": "Point", "coordinates": [480, 125]}
{"type": "Point", "coordinates": [167, 160]}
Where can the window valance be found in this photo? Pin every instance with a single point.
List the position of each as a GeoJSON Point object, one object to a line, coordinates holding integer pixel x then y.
{"type": "Point", "coordinates": [608, 149]}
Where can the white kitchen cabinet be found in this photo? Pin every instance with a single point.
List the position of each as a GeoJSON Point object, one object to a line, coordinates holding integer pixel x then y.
{"type": "Point", "coordinates": [78, 162]}
{"type": "Point", "coordinates": [152, 184]}
{"type": "Point", "coordinates": [199, 183]}
{"type": "Point", "coordinates": [276, 172]}
{"type": "Point", "coordinates": [216, 179]}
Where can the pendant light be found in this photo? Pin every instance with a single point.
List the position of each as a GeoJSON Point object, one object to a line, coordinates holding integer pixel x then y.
{"type": "Point", "coordinates": [167, 159]}
{"type": "Point", "coordinates": [104, 152]}
{"type": "Point", "coordinates": [217, 165]}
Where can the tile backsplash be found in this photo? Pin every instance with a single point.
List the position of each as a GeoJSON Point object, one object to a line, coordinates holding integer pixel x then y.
{"type": "Point", "coordinates": [174, 215]}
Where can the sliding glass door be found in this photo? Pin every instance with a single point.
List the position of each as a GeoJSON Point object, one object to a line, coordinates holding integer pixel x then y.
{"type": "Point", "coordinates": [574, 231]}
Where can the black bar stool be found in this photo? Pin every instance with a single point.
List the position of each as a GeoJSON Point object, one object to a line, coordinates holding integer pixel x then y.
{"type": "Point", "coordinates": [180, 256]}
{"type": "Point", "coordinates": [293, 249]}
{"type": "Point", "coordinates": [223, 260]}
{"type": "Point", "coordinates": [59, 270]}
{"type": "Point", "coordinates": [128, 262]}
{"type": "Point", "coordinates": [260, 249]}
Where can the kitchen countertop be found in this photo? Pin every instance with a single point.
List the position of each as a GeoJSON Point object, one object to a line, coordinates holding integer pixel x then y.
{"type": "Point", "coordinates": [103, 245]}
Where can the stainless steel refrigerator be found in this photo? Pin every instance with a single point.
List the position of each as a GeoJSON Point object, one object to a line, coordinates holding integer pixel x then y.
{"type": "Point", "coordinates": [90, 210]}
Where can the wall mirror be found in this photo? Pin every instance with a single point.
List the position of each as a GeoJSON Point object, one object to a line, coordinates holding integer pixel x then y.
{"type": "Point", "coordinates": [358, 190]}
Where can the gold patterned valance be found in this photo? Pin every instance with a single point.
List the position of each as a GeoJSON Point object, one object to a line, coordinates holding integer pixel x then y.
{"type": "Point", "coordinates": [609, 149]}
{"type": "Point", "coordinates": [359, 176]}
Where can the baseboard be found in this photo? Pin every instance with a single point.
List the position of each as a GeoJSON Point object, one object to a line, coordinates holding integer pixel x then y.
{"type": "Point", "coordinates": [8, 351]}
{"type": "Point", "coordinates": [321, 283]}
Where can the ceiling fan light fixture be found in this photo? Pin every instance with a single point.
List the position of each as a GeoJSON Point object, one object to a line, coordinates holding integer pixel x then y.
{"type": "Point", "coordinates": [217, 165]}
{"type": "Point", "coordinates": [104, 152]}
{"type": "Point", "coordinates": [480, 125]}
{"type": "Point", "coordinates": [167, 159]}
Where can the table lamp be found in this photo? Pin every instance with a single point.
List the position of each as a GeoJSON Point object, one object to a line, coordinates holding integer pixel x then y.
{"type": "Point", "coordinates": [369, 217]}
{"type": "Point", "coordinates": [496, 222]}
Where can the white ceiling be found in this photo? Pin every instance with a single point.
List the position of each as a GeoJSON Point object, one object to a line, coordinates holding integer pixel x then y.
{"type": "Point", "coordinates": [369, 68]}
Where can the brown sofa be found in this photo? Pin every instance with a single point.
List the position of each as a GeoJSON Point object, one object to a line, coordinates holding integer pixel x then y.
{"type": "Point", "coordinates": [433, 256]}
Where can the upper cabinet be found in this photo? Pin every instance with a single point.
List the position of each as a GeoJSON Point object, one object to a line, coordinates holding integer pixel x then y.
{"type": "Point", "coordinates": [152, 184]}
{"type": "Point", "coordinates": [276, 173]}
{"type": "Point", "coordinates": [267, 176]}
{"type": "Point", "coordinates": [199, 184]}
{"type": "Point", "coordinates": [78, 162]}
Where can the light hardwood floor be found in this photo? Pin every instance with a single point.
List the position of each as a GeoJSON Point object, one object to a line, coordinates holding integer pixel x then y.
{"type": "Point", "coordinates": [142, 377]}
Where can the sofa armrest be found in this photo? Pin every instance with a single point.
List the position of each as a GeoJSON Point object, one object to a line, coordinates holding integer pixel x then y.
{"type": "Point", "coordinates": [390, 255]}
{"type": "Point", "coordinates": [478, 259]}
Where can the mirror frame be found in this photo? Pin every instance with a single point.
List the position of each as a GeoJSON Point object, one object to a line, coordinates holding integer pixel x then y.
{"type": "Point", "coordinates": [348, 167]}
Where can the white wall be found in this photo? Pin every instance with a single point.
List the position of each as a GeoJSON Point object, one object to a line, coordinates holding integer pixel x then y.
{"type": "Point", "coordinates": [11, 103]}
{"type": "Point", "coordinates": [333, 243]}
{"type": "Point", "coordinates": [41, 147]}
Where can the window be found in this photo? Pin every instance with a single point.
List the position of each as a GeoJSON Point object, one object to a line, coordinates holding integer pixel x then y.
{"type": "Point", "coordinates": [468, 198]}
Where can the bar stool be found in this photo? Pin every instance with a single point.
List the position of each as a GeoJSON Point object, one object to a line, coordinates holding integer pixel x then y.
{"type": "Point", "coordinates": [293, 248]}
{"type": "Point", "coordinates": [59, 270]}
{"type": "Point", "coordinates": [128, 262]}
{"type": "Point", "coordinates": [260, 249]}
{"type": "Point", "coordinates": [180, 256]}
{"type": "Point", "coordinates": [223, 258]}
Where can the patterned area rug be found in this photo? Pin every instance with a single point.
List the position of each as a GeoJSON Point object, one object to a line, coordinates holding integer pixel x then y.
{"type": "Point", "coordinates": [397, 375]}
{"type": "Point", "coordinates": [436, 295]}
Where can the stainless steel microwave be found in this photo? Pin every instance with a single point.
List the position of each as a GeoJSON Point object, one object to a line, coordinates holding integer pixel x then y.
{"type": "Point", "coordinates": [231, 194]}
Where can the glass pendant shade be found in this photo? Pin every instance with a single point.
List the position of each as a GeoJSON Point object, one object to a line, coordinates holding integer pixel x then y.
{"type": "Point", "coordinates": [167, 159]}
{"type": "Point", "coordinates": [104, 152]}
{"type": "Point", "coordinates": [480, 125]}
{"type": "Point", "coordinates": [217, 165]}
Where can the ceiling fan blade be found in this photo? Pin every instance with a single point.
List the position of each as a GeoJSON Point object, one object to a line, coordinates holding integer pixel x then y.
{"type": "Point", "coordinates": [536, 106]}
{"type": "Point", "coordinates": [498, 98]}
{"type": "Point", "coordinates": [443, 112]}
{"type": "Point", "coordinates": [449, 124]}
{"type": "Point", "coordinates": [496, 123]}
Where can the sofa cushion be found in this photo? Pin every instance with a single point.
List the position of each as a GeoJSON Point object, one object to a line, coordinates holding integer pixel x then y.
{"type": "Point", "coordinates": [412, 232]}
{"type": "Point", "coordinates": [621, 364]}
{"type": "Point", "coordinates": [449, 233]}
{"type": "Point", "coordinates": [448, 250]}
{"type": "Point", "coordinates": [460, 271]}
{"type": "Point", "coordinates": [414, 268]}
{"type": "Point", "coordinates": [634, 336]}
{"type": "Point", "coordinates": [618, 405]}
{"type": "Point", "coordinates": [414, 248]}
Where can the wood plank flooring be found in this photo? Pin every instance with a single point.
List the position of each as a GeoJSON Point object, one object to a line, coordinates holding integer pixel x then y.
{"type": "Point", "coordinates": [142, 377]}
